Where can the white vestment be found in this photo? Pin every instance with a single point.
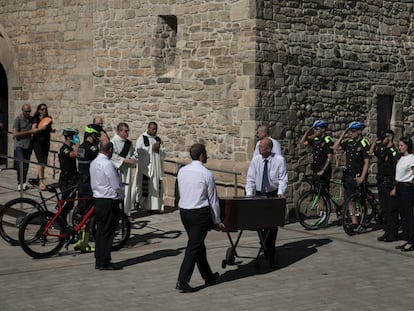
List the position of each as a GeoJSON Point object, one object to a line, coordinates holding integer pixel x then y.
{"type": "Point", "coordinates": [125, 171]}
{"type": "Point", "coordinates": [149, 174]}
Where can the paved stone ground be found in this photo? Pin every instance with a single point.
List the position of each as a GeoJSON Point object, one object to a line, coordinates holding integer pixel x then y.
{"type": "Point", "coordinates": [318, 270]}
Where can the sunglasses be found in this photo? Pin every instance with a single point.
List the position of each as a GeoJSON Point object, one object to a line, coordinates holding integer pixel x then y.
{"type": "Point", "coordinates": [43, 109]}
{"type": "Point", "coordinates": [27, 111]}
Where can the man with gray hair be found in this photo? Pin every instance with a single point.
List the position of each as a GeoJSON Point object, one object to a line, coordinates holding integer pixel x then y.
{"type": "Point", "coordinates": [263, 132]}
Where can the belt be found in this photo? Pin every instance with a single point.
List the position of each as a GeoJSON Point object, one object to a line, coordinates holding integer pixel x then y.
{"type": "Point", "coordinates": [405, 183]}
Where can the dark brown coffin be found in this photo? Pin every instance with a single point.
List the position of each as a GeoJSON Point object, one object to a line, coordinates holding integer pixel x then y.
{"type": "Point", "coordinates": [252, 213]}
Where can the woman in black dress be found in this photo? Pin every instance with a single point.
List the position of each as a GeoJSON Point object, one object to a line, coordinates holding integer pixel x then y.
{"type": "Point", "coordinates": [41, 141]}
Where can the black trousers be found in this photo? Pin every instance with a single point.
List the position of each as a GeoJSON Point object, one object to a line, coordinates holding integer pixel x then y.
{"type": "Point", "coordinates": [405, 200]}
{"type": "Point", "coordinates": [269, 235]}
{"type": "Point", "coordinates": [22, 154]}
{"type": "Point", "coordinates": [197, 222]}
{"type": "Point", "coordinates": [107, 215]}
{"type": "Point", "coordinates": [389, 210]}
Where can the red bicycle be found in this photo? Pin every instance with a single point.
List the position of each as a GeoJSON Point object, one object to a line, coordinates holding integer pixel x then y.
{"type": "Point", "coordinates": [43, 234]}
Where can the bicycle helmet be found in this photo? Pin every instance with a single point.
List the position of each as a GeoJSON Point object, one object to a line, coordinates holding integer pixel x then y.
{"type": "Point", "coordinates": [93, 129]}
{"type": "Point", "coordinates": [355, 125]}
{"type": "Point", "coordinates": [70, 131]}
{"type": "Point", "coordinates": [320, 123]}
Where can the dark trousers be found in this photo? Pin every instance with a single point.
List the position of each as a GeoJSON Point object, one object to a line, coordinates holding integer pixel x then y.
{"type": "Point", "coordinates": [197, 222]}
{"type": "Point", "coordinates": [269, 235]}
{"type": "Point", "coordinates": [84, 191]}
{"type": "Point", "coordinates": [389, 210]}
{"type": "Point", "coordinates": [405, 201]}
{"type": "Point", "coordinates": [22, 154]}
{"type": "Point", "coordinates": [107, 215]}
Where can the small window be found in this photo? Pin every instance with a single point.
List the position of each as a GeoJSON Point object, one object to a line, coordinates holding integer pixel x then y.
{"type": "Point", "coordinates": [165, 45]}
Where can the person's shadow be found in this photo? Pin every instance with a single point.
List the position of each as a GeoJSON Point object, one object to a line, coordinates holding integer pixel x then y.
{"type": "Point", "coordinates": [286, 255]}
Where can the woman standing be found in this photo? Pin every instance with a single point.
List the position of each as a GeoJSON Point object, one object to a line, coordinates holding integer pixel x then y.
{"type": "Point", "coordinates": [41, 140]}
{"type": "Point", "coordinates": [404, 191]}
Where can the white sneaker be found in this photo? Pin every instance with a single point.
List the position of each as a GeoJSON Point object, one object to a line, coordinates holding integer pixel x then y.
{"type": "Point", "coordinates": [22, 187]}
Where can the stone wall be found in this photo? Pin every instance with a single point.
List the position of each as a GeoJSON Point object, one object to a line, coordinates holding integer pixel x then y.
{"type": "Point", "coordinates": [331, 60]}
{"type": "Point", "coordinates": [210, 71]}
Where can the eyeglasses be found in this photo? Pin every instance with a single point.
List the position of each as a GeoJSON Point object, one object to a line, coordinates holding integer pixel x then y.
{"type": "Point", "coordinates": [318, 128]}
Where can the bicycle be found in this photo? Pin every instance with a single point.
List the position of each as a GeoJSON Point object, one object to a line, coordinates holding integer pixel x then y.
{"type": "Point", "coordinates": [364, 207]}
{"type": "Point", "coordinates": [43, 234]}
{"type": "Point", "coordinates": [313, 209]}
{"type": "Point", "coordinates": [13, 212]}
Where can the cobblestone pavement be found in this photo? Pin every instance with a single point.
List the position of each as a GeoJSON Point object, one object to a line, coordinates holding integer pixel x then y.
{"type": "Point", "coordinates": [317, 270]}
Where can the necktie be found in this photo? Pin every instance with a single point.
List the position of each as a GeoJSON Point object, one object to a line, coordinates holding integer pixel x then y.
{"type": "Point", "coordinates": [264, 179]}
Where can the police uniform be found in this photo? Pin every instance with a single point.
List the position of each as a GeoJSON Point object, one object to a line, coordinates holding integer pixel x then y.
{"type": "Point", "coordinates": [387, 160]}
{"type": "Point", "coordinates": [321, 147]}
{"type": "Point", "coordinates": [356, 152]}
{"type": "Point", "coordinates": [68, 173]}
{"type": "Point", "coordinates": [87, 152]}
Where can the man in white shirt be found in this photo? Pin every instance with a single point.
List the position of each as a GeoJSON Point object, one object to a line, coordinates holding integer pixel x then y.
{"type": "Point", "coordinates": [199, 212]}
{"type": "Point", "coordinates": [107, 190]}
{"type": "Point", "coordinates": [263, 132]}
{"type": "Point", "coordinates": [124, 160]}
{"type": "Point", "coordinates": [267, 176]}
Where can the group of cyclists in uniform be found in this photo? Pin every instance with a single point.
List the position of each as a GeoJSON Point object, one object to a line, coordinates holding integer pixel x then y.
{"type": "Point", "coordinates": [358, 152]}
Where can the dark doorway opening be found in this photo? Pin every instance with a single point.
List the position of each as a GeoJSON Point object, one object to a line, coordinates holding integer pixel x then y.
{"type": "Point", "coordinates": [4, 99]}
{"type": "Point", "coordinates": [384, 112]}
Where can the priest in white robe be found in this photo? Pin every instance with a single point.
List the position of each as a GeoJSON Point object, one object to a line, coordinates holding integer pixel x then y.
{"type": "Point", "coordinates": [125, 159]}
{"type": "Point", "coordinates": [150, 170]}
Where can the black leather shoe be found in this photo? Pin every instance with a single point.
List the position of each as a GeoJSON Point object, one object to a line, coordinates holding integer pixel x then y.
{"type": "Point", "coordinates": [212, 279]}
{"type": "Point", "coordinates": [109, 267]}
{"type": "Point", "coordinates": [184, 287]}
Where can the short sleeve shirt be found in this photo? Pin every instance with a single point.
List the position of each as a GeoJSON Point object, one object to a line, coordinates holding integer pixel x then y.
{"type": "Point", "coordinates": [356, 152]}
{"type": "Point", "coordinates": [21, 124]}
{"type": "Point", "coordinates": [321, 147]}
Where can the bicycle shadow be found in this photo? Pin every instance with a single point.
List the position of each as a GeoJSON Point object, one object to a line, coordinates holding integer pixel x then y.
{"type": "Point", "coordinates": [287, 254]}
{"type": "Point", "coordinates": [146, 238]}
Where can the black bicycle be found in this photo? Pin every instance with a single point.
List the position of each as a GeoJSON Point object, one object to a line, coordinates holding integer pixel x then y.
{"type": "Point", "coordinates": [13, 212]}
{"type": "Point", "coordinates": [359, 210]}
{"type": "Point", "coordinates": [313, 209]}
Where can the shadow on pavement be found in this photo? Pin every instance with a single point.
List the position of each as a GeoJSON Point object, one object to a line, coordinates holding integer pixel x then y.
{"type": "Point", "coordinates": [152, 256]}
{"type": "Point", "coordinates": [287, 254]}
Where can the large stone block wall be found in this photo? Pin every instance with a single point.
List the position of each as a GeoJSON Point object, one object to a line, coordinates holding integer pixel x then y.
{"type": "Point", "coordinates": [210, 71]}
{"type": "Point", "coordinates": [51, 46]}
{"type": "Point", "coordinates": [331, 59]}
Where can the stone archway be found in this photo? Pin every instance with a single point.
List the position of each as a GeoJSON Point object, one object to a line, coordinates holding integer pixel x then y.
{"type": "Point", "coordinates": [7, 80]}
{"type": "Point", "coordinates": [3, 114]}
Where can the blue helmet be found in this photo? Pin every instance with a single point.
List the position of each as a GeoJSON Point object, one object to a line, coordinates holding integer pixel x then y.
{"type": "Point", "coordinates": [355, 125]}
{"type": "Point", "coordinates": [320, 123]}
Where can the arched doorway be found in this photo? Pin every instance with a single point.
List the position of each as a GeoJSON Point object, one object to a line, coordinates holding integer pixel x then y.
{"type": "Point", "coordinates": [3, 113]}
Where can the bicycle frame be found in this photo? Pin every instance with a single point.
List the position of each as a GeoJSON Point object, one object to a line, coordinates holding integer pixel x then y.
{"type": "Point", "coordinates": [61, 205]}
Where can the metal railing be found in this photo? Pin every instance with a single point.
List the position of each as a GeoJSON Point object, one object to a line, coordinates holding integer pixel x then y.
{"type": "Point", "coordinates": [235, 174]}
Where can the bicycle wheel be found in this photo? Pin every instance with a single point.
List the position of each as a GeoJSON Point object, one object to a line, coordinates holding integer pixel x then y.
{"type": "Point", "coordinates": [359, 211]}
{"type": "Point", "coordinates": [11, 216]}
{"type": "Point", "coordinates": [33, 240]}
{"type": "Point", "coordinates": [122, 232]}
{"type": "Point", "coordinates": [312, 210]}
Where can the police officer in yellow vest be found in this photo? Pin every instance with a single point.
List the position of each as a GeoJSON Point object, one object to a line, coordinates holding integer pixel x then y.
{"type": "Point", "coordinates": [356, 149]}
{"type": "Point", "coordinates": [322, 153]}
{"type": "Point", "coordinates": [386, 152]}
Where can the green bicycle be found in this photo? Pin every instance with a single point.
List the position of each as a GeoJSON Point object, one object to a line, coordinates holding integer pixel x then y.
{"type": "Point", "coordinates": [313, 209]}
